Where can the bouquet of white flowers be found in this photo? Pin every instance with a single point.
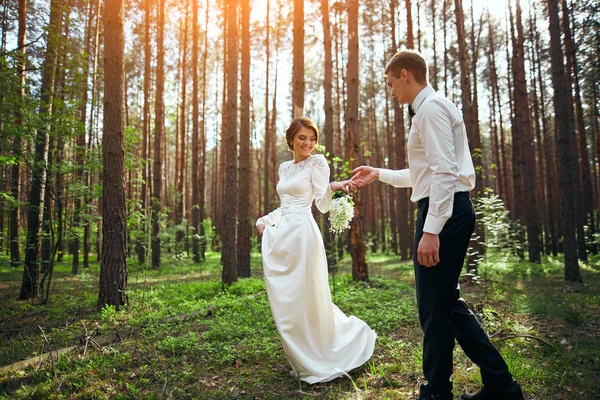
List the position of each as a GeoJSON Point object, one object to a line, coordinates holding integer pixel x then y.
{"type": "Point", "coordinates": [341, 213]}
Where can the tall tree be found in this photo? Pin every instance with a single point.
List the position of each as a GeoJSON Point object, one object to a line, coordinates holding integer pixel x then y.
{"type": "Point", "coordinates": [328, 104]}
{"type": "Point", "coordinates": [269, 167]}
{"type": "Point", "coordinates": [585, 178]}
{"type": "Point", "coordinates": [195, 136]}
{"type": "Point", "coordinates": [80, 148]}
{"type": "Point", "coordinates": [566, 131]}
{"type": "Point", "coordinates": [229, 261]}
{"type": "Point", "coordinates": [470, 119]}
{"type": "Point", "coordinates": [353, 145]}
{"type": "Point", "coordinates": [13, 237]}
{"type": "Point", "coordinates": [159, 128]}
{"type": "Point", "coordinates": [182, 132]}
{"type": "Point", "coordinates": [244, 225]}
{"type": "Point", "coordinates": [576, 165]}
{"type": "Point", "coordinates": [31, 271]}
{"type": "Point", "coordinates": [113, 273]}
{"type": "Point", "coordinates": [145, 124]}
{"type": "Point", "coordinates": [523, 131]}
{"type": "Point", "coordinates": [298, 66]}
{"type": "Point", "coordinates": [202, 167]}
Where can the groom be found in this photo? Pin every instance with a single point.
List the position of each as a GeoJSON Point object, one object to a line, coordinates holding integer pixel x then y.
{"type": "Point", "coordinates": [441, 175]}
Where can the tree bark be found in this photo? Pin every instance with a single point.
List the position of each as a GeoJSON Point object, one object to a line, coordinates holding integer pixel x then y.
{"type": "Point", "coordinates": [179, 236]}
{"type": "Point", "coordinates": [298, 66]}
{"type": "Point", "coordinates": [523, 131]}
{"type": "Point", "coordinates": [586, 175]}
{"type": "Point", "coordinates": [157, 173]}
{"type": "Point", "coordinates": [565, 128]}
{"type": "Point", "coordinates": [244, 225]}
{"type": "Point", "coordinates": [31, 272]}
{"type": "Point", "coordinates": [195, 225]}
{"type": "Point", "coordinates": [577, 182]}
{"type": "Point", "coordinates": [328, 104]}
{"type": "Point", "coordinates": [13, 237]}
{"type": "Point", "coordinates": [359, 264]}
{"type": "Point", "coordinates": [202, 167]}
{"type": "Point", "coordinates": [113, 271]}
{"type": "Point", "coordinates": [229, 261]}
{"type": "Point", "coordinates": [471, 125]}
{"type": "Point", "coordinates": [141, 247]}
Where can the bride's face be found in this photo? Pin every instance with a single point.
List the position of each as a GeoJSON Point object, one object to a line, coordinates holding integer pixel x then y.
{"type": "Point", "coordinates": [304, 142]}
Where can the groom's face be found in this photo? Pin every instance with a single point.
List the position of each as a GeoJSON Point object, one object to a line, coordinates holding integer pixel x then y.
{"type": "Point", "coordinates": [397, 86]}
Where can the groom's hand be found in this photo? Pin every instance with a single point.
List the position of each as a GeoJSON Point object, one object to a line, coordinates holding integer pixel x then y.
{"type": "Point", "coordinates": [428, 253]}
{"type": "Point", "coordinates": [364, 175]}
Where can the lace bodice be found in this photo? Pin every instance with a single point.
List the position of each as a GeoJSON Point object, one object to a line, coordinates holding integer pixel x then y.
{"type": "Point", "coordinates": [299, 184]}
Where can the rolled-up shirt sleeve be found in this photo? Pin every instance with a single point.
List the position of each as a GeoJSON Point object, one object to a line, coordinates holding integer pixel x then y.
{"type": "Point", "coordinates": [436, 135]}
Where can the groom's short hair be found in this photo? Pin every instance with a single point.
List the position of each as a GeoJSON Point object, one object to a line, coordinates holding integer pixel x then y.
{"type": "Point", "coordinates": [413, 62]}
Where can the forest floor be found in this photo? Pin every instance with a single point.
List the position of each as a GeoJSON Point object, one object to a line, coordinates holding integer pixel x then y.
{"type": "Point", "coordinates": [227, 346]}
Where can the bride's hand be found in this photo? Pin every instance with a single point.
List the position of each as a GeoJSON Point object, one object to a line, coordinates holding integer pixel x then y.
{"type": "Point", "coordinates": [260, 228]}
{"type": "Point", "coordinates": [344, 186]}
{"type": "Point", "coordinates": [364, 175]}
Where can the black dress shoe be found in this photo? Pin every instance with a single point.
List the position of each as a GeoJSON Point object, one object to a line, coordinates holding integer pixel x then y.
{"type": "Point", "coordinates": [511, 391]}
{"type": "Point", "coordinates": [429, 393]}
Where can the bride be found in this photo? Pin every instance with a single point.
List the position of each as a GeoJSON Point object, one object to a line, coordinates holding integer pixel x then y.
{"type": "Point", "coordinates": [321, 343]}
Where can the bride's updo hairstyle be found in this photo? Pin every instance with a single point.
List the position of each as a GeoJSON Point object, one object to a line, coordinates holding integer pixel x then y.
{"type": "Point", "coordinates": [297, 124]}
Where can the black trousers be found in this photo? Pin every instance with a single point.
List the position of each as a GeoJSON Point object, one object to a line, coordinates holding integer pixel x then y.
{"type": "Point", "coordinates": [443, 315]}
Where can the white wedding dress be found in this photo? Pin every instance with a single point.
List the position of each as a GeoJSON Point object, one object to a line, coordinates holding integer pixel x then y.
{"type": "Point", "coordinates": [319, 340]}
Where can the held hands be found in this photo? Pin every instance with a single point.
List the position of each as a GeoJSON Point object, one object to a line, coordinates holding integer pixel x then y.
{"type": "Point", "coordinates": [363, 176]}
{"type": "Point", "coordinates": [344, 186]}
{"type": "Point", "coordinates": [428, 253]}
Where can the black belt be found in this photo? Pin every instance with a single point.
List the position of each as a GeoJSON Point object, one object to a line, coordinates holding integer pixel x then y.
{"type": "Point", "coordinates": [458, 195]}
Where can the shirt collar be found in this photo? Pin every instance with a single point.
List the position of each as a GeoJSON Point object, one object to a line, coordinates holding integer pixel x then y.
{"type": "Point", "coordinates": [416, 104]}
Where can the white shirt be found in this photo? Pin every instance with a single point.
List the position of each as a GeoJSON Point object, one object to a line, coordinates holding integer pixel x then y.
{"type": "Point", "coordinates": [439, 160]}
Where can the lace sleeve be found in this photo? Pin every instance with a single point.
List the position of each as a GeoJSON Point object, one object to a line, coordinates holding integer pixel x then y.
{"type": "Point", "coordinates": [320, 180]}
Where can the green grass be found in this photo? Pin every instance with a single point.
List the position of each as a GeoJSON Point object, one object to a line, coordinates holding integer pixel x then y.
{"type": "Point", "coordinates": [229, 347]}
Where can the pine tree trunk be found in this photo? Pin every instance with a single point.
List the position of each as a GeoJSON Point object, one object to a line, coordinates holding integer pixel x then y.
{"type": "Point", "coordinates": [298, 66]}
{"type": "Point", "coordinates": [13, 237]}
{"type": "Point", "coordinates": [157, 173]}
{"type": "Point", "coordinates": [230, 269]}
{"type": "Point", "coordinates": [359, 264]}
{"type": "Point", "coordinates": [244, 225]}
{"type": "Point", "coordinates": [471, 125]}
{"type": "Point", "coordinates": [497, 145]}
{"type": "Point", "coordinates": [142, 243]}
{"type": "Point", "coordinates": [268, 168]}
{"type": "Point", "coordinates": [434, 71]}
{"type": "Point", "coordinates": [202, 167]}
{"type": "Point", "coordinates": [31, 272]}
{"type": "Point", "coordinates": [183, 135]}
{"type": "Point", "coordinates": [577, 182]}
{"type": "Point", "coordinates": [550, 162]}
{"type": "Point", "coordinates": [195, 206]}
{"type": "Point", "coordinates": [566, 132]}
{"type": "Point", "coordinates": [399, 149]}
{"type": "Point", "coordinates": [523, 131]}
{"type": "Point", "coordinates": [587, 184]}
{"type": "Point", "coordinates": [328, 105]}
{"type": "Point", "coordinates": [113, 272]}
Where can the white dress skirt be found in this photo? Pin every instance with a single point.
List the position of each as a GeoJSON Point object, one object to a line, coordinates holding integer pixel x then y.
{"type": "Point", "coordinates": [321, 343]}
